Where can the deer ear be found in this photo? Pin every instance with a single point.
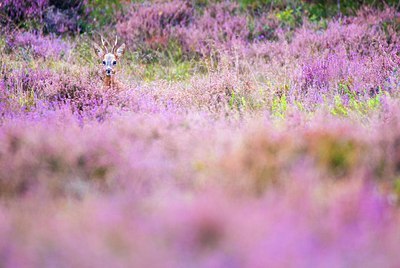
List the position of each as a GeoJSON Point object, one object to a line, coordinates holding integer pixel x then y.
{"type": "Point", "coordinates": [120, 50]}
{"type": "Point", "coordinates": [99, 51]}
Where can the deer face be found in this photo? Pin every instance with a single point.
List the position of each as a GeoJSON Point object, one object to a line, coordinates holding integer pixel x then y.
{"type": "Point", "coordinates": [109, 63]}
{"type": "Point", "coordinates": [109, 59]}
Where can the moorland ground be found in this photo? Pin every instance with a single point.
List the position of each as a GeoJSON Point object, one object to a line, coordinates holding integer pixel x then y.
{"type": "Point", "coordinates": [246, 134]}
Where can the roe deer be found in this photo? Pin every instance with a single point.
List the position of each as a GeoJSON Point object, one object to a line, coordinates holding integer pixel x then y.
{"type": "Point", "coordinates": [109, 63]}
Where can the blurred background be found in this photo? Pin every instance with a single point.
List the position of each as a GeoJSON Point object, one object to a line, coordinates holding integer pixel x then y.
{"type": "Point", "coordinates": [80, 16]}
{"type": "Point", "coordinates": [169, 33]}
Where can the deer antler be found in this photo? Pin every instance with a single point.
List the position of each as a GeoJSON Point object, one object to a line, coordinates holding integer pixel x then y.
{"type": "Point", "coordinates": [115, 44]}
{"type": "Point", "coordinates": [103, 43]}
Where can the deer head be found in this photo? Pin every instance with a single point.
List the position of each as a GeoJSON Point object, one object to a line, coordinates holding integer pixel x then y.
{"type": "Point", "coordinates": [109, 58]}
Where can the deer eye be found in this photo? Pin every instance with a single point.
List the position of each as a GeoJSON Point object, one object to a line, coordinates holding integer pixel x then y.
{"type": "Point", "coordinates": [114, 62]}
{"type": "Point", "coordinates": [104, 62]}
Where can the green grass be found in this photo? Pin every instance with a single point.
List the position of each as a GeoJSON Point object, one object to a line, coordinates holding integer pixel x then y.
{"type": "Point", "coordinates": [171, 64]}
{"type": "Point", "coordinates": [279, 106]}
{"type": "Point", "coordinates": [355, 104]}
{"type": "Point", "coordinates": [170, 71]}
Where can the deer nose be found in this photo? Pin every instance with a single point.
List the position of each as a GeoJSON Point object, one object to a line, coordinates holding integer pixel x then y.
{"type": "Point", "coordinates": [108, 71]}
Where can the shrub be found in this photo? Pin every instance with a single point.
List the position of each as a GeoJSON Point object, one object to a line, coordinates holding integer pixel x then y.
{"type": "Point", "coordinates": [21, 10]}
{"type": "Point", "coordinates": [38, 45]}
{"type": "Point", "coordinates": [155, 26]}
{"type": "Point", "coordinates": [219, 25]}
{"type": "Point", "coordinates": [52, 16]}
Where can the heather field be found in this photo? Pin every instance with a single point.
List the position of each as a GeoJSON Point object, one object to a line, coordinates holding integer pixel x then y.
{"type": "Point", "coordinates": [251, 133]}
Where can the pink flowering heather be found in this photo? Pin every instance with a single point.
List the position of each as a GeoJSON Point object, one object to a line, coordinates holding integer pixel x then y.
{"type": "Point", "coordinates": [41, 46]}
{"type": "Point", "coordinates": [157, 24]}
{"type": "Point", "coordinates": [19, 9]}
{"type": "Point", "coordinates": [242, 143]}
{"type": "Point", "coordinates": [219, 26]}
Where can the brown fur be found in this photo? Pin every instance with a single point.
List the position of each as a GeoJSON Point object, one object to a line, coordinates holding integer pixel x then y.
{"type": "Point", "coordinates": [110, 82]}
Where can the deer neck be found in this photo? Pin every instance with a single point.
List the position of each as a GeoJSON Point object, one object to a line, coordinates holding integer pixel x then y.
{"type": "Point", "coordinates": [109, 81]}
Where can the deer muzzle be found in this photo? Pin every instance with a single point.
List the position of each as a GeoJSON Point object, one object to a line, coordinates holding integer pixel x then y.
{"type": "Point", "coordinates": [108, 71]}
